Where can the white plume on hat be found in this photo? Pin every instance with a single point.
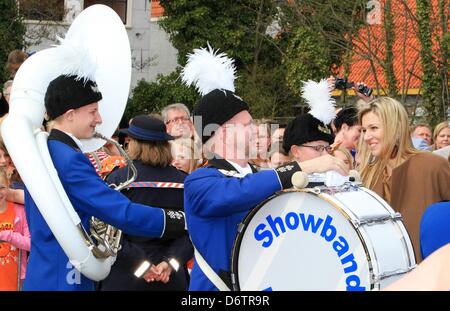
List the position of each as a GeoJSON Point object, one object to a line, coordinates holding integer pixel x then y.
{"type": "Point", "coordinates": [208, 70]}
{"type": "Point", "coordinates": [75, 59]}
{"type": "Point", "coordinates": [318, 97]}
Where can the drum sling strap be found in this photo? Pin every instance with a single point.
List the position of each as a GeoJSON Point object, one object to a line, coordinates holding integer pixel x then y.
{"type": "Point", "coordinates": [209, 272]}
{"type": "Point", "coordinates": [228, 170]}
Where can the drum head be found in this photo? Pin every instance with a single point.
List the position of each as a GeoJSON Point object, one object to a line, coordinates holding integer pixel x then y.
{"type": "Point", "coordinates": [299, 241]}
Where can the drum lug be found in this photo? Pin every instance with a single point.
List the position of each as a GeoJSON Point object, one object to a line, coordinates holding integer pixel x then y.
{"type": "Point", "coordinates": [356, 223]}
{"type": "Point", "coordinates": [385, 275]}
{"type": "Point", "coordinates": [316, 190]}
{"type": "Point", "coordinates": [377, 220]}
{"type": "Point", "coordinates": [233, 281]}
{"type": "Point", "coordinates": [397, 216]}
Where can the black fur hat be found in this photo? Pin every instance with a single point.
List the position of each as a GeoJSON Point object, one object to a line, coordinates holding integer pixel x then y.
{"type": "Point", "coordinates": [213, 74]}
{"type": "Point", "coordinates": [313, 125]}
{"type": "Point", "coordinates": [304, 129]}
{"type": "Point", "coordinates": [69, 92]}
{"type": "Point", "coordinates": [217, 107]}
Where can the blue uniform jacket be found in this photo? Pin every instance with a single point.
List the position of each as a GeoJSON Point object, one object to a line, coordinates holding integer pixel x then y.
{"type": "Point", "coordinates": [434, 228]}
{"type": "Point", "coordinates": [215, 205]}
{"type": "Point", "coordinates": [48, 266]}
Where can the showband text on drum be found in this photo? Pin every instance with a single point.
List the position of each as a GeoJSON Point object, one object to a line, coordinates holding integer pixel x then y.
{"type": "Point", "coordinates": [269, 231]}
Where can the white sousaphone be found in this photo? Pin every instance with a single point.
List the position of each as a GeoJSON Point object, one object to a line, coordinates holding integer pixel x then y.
{"type": "Point", "coordinates": [97, 34]}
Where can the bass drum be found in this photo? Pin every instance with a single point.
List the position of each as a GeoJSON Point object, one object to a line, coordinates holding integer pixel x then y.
{"type": "Point", "coordinates": [345, 238]}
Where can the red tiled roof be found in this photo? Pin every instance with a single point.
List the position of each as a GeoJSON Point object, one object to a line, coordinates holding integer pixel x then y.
{"type": "Point", "coordinates": [157, 9]}
{"type": "Point", "coordinates": [370, 44]}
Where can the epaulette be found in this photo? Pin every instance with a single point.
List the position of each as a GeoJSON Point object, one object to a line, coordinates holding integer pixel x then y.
{"type": "Point", "coordinates": [230, 173]}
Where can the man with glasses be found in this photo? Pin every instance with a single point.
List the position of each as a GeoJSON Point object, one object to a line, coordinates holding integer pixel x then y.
{"type": "Point", "coordinates": [307, 138]}
{"type": "Point", "coordinates": [218, 196]}
{"type": "Point", "coordinates": [178, 121]}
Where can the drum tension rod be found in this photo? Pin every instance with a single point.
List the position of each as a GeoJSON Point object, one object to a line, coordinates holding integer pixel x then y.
{"type": "Point", "coordinates": [377, 220]}
{"type": "Point", "coordinates": [385, 275]}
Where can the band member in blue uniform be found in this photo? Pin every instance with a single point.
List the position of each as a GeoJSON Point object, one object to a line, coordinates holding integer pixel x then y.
{"type": "Point", "coordinates": [157, 184]}
{"type": "Point", "coordinates": [219, 195]}
{"type": "Point", "coordinates": [72, 104]}
{"type": "Point", "coordinates": [434, 229]}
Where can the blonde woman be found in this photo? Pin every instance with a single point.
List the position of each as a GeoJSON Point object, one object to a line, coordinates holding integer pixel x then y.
{"type": "Point", "coordinates": [408, 179]}
{"type": "Point", "coordinates": [186, 155]}
{"type": "Point", "coordinates": [345, 155]}
{"type": "Point", "coordinates": [441, 135]}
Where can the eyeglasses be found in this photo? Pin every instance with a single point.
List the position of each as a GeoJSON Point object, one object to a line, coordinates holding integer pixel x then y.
{"type": "Point", "coordinates": [175, 120]}
{"type": "Point", "coordinates": [319, 148]}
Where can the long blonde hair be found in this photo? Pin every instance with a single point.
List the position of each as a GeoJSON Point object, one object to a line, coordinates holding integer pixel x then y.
{"type": "Point", "coordinates": [194, 151]}
{"type": "Point", "coordinates": [396, 145]}
{"type": "Point", "coordinates": [437, 130]}
{"type": "Point", "coordinates": [347, 155]}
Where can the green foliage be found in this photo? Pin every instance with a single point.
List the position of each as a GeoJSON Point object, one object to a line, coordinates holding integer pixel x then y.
{"type": "Point", "coordinates": [431, 87]}
{"type": "Point", "coordinates": [389, 56]}
{"type": "Point", "coordinates": [12, 32]}
{"type": "Point", "coordinates": [233, 27]}
{"type": "Point", "coordinates": [333, 20]}
{"type": "Point", "coordinates": [308, 57]}
{"type": "Point", "coordinates": [152, 97]}
{"type": "Point", "coordinates": [238, 29]}
{"type": "Point", "coordinates": [313, 35]}
{"type": "Point", "coordinates": [319, 36]}
{"type": "Point", "coordinates": [268, 96]}
{"type": "Point", "coordinates": [42, 10]}
{"type": "Point", "coordinates": [446, 41]}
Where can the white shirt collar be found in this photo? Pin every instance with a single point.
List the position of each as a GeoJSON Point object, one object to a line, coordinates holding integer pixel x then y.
{"type": "Point", "coordinates": [76, 140]}
{"type": "Point", "coordinates": [241, 170]}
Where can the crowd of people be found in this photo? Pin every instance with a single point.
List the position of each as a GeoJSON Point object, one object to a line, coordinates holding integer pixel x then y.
{"type": "Point", "coordinates": [196, 183]}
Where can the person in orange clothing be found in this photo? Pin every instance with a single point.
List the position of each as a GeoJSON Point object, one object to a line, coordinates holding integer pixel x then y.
{"type": "Point", "coordinates": [14, 239]}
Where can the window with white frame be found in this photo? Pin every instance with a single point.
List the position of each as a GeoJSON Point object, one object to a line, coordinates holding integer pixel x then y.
{"type": "Point", "coordinates": [42, 10]}
{"type": "Point", "coordinates": [121, 7]}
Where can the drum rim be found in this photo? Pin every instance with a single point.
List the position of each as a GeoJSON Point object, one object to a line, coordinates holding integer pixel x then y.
{"type": "Point", "coordinates": [409, 247]}
{"type": "Point", "coordinates": [244, 224]}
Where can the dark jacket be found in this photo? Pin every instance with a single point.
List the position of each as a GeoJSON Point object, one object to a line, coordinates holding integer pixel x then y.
{"type": "Point", "coordinates": [137, 249]}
